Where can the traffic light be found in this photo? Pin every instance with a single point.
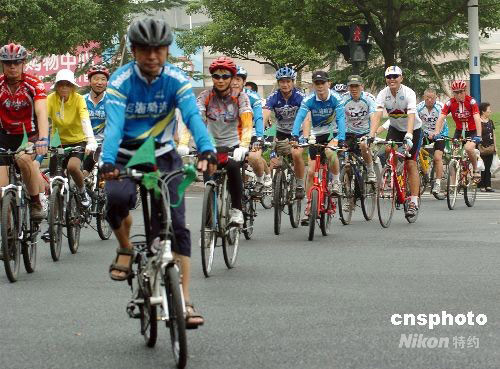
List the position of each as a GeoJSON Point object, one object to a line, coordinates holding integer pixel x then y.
{"type": "Point", "coordinates": [356, 37]}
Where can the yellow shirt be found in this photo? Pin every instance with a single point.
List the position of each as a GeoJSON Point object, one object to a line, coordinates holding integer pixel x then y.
{"type": "Point", "coordinates": [67, 118]}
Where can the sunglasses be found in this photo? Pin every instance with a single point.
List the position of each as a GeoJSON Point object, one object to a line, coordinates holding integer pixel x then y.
{"type": "Point", "coordinates": [392, 76]}
{"type": "Point", "coordinates": [223, 76]}
{"type": "Point", "coordinates": [458, 92]}
{"type": "Point", "coordinates": [12, 62]}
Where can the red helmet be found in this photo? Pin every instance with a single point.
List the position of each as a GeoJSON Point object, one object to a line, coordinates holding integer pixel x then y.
{"type": "Point", "coordinates": [459, 84]}
{"type": "Point", "coordinates": [223, 63]}
{"type": "Point", "coordinates": [98, 69]}
{"type": "Point", "coordinates": [13, 52]}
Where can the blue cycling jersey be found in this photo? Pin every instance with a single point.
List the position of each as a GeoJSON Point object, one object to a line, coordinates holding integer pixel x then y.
{"type": "Point", "coordinates": [430, 117]}
{"type": "Point", "coordinates": [358, 112]}
{"type": "Point", "coordinates": [97, 115]}
{"type": "Point", "coordinates": [258, 120]}
{"type": "Point", "coordinates": [137, 109]}
{"type": "Point", "coordinates": [326, 115]}
{"type": "Point", "coordinates": [285, 110]}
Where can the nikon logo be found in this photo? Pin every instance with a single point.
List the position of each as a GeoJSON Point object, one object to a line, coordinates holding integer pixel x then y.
{"type": "Point", "coordinates": [419, 341]}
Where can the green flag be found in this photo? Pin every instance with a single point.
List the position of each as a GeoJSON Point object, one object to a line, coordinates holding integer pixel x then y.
{"type": "Point", "coordinates": [190, 176]}
{"type": "Point", "coordinates": [144, 154]}
{"type": "Point", "coordinates": [150, 182]}
{"type": "Point", "coordinates": [24, 142]}
{"type": "Point", "coordinates": [271, 131]}
{"type": "Point", "coordinates": [56, 139]}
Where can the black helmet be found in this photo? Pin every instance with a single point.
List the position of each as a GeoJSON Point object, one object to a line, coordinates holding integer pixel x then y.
{"type": "Point", "coordinates": [150, 31]}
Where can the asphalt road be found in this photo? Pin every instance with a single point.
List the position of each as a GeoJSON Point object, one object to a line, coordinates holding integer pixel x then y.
{"type": "Point", "coordinates": [289, 303]}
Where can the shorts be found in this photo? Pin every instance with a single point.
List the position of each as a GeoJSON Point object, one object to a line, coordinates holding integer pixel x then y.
{"type": "Point", "coordinates": [53, 158]}
{"type": "Point", "coordinates": [280, 136]}
{"type": "Point", "coordinates": [351, 141]}
{"type": "Point", "coordinates": [12, 142]}
{"type": "Point", "coordinates": [438, 145]}
{"type": "Point", "coordinates": [321, 139]}
{"type": "Point", "coordinates": [468, 134]}
{"type": "Point", "coordinates": [90, 161]}
{"type": "Point", "coordinates": [395, 135]}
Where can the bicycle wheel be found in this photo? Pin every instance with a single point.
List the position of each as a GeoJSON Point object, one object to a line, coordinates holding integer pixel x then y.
{"type": "Point", "coordinates": [368, 197]}
{"type": "Point", "coordinates": [231, 238]}
{"type": "Point", "coordinates": [11, 246]}
{"type": "Point", "coordinates": [386, 198]}
{"type": "Point", "coordinates": [313, 213]}
{"type": "Point", "coordinates": [103, 227]}
{"type": "Point", "coordinates": [424, 180]}
{"type": "Point", "coordinates": [138, 198]}
{"type": "Point", "coordinates": [326, 218]}
{"type": "Point", "coordinates": [470, 188]}
{"type": "Point", "coordinates": [278, 207]}
{"type": "Point", "coordinates": [73, 225]}
{"type": "Point", "coordinates": [56, 222]}
{"type": "Point", "coordinates": [452, 184]}
{"type": "Point", "coordinates": [248, 214]}
{"type": "Point", "coordinates": [208, 229]}
{"type": "Point", "coordinates": [294, 204]}
{"type": "Point", "coordinates": [29, 245]}
{"type": "Point", "coordinates": [346, 203]}
{"type": "Point", "coordinates": [176, 321]}
{"type": "Point", "coordinates": [267, 198]}
{"type": "Point", "coordinates": [149, 323]}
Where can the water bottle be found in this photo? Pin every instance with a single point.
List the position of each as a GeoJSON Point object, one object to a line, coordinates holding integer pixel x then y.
{"type": "Point", "coordinates": [273, 154]}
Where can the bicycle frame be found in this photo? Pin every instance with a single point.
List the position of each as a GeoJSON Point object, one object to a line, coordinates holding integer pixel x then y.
{"type": "Point", "coordinates": [399, 181]}
{"type": "Point", "coordinates": [320, 180]}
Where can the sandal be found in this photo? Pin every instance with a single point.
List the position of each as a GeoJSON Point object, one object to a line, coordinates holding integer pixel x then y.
{"type": "Point", "coordinates": [193, 318]}
{"type": "Point", "coordinates": [120, 268]}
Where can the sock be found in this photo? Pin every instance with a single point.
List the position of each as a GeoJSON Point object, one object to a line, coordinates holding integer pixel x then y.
{"type": "Point", "coordinates": [82, 190]}
{"type": "Point", "coordinates": [42, 196]}
{"type": "Point", "coordinates": [35, 198]}
{"type": "Point", "coordinates": [369, 166]}
{"type": "Point", "coordinates": [336, 177]}
{"type": "Point", "coordinates": [260, 179]}
{"type": "Point", "coordinates": [300, 182]}
{"type": "Point", "coordinates": [414, 199]}
{"type": "Point", "coordinates": [438, 181]}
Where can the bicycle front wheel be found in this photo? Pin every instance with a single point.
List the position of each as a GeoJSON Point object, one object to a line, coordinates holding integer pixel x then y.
{"type": "Point", "coordinates": [326, 218]}
{"type": "Point", "coordinates": [208, 229]}
{"type": "Point", "coordinates": [103, 227]}
{"type": "Point", "coordinates": [231, 238]}
{"type": "Point", "coordinates": [149, 323]}
{"type": "Point", "coordinates": [294, 204]}
{"type": "Point", "coordinates": [313, 213]}
{"type": "Point", "coordinates": [11, 245]}
{"type": "Point", "coordinates": [470, 188]}
{"type": "Point", "coordinates": [176, 321]}
{"type": "Point", "coordinates": [346, 203]}
{"type": "Point", "coordinates": [386, 197]}
{"type": "Point", "coordinates": [249, 216]}
{"type": "Point", "coordinates": [452, 184]}
{"type": "Point", "coordinates": [368, 197]}
{"type": "Point", "coordinates": [278, 207]}
{"type": "Point", "coordinates": [56, 222]}
{"type": "Point", "coordinates": [73, 225]}
{"type": "Point", "coordinates": [29, 244]}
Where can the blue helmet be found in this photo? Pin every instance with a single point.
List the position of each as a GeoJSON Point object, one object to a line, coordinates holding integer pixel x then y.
{"type": "Point", "coordinates": [285, 72]}
{"type": "Point", "coordinates": [241, 72]}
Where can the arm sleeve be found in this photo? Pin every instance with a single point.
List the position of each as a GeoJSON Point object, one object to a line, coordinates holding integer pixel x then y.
{"type": "Point", "coordinates": [340, 118]}
{"type": "Point", "coordinates": [258, 118]}
{"type": "Point", "coordinates": [299, 118]}
{"type": "Point", "coordinates": [446, 108]}
{"type": "Point", "coordinates": [246, 119]}
{"type": "Point", "coordinates": [115, 107]}
{"type": "Point", "coordinates": [85, 119]}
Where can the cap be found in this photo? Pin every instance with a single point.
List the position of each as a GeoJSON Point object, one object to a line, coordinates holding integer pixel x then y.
{"type": "Point", "coordinates": [65, 75]}
{"type": "Point", "coordinates": [320, 75]}
{"type": "Point", "coordinates": [393, 69]}
{"type": "Point", "coordinates": [354, 80]}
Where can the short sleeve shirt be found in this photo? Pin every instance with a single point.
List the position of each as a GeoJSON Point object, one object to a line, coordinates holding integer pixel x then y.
{"type": "Point", "coordinates": [430, 117]}
{"type": "Point", "coordinates": [357, 112]}
{"type": "Point", "coordinates": [462, 112]}
{"type": "Point", "coordinates": [398, 107]}
{"type": "Point", "coordinates": [285, 110]}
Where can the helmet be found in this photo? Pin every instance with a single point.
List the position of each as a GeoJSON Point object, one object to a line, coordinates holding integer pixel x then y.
{"type": "Point", "coordinates": [459, 84]}
{"type": "Point", "coordinates": [285, 72]}
{"type": "Point", "coordinates": [150, 31]}
{"type": "Point", "coordinates": [242, 72]}
{"type": "Point", "coordinates": [98, 69]}
{"type": "Point", "coordinates": [340, 88]}
{"type": "Point", "coordinates": [223, 62]}
{"type": "Point", "coordinates": [13, 52]}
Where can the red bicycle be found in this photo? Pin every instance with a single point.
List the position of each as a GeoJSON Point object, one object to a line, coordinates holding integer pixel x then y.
{"type": "Point", "coordinates": [322, 203]}
{"type": "Point", "coordinates": [394, 189]}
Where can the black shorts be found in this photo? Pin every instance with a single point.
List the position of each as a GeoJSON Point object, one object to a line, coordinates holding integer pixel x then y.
{"type": "Point", "coordinates": [468, 134]}
{"type": "Point", "coordinates": [89, 161]}
{"type": "Point", "coordinates": [351, 141]}
{"type": "Point", "coordinates": [321, 139]}
{"type": "Point", "coordinates": [395, 135]}
{"type": "Point", "coordinates": [79, 155]}
{"type": "Point", "coordinates": [12, 142]}
{"type": "Point", "coordinates": [280, 136]}
{"type": "Point", "coordinates": [438, 145]}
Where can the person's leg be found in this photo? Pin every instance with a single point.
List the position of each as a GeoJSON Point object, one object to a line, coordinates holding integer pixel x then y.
{"type": "Point", "coordinates": [235, 183]}
{"type": "Point", "coordinates": [471, 153]}
{"type": "Point", "coordinates": [255, 161]}
{"type": "Point", "coordinates": [488, 159]}
{"type": "Point", "coordinates": [74, 170]}
{"type": "Point", "coordinates": [438, 170]}
{"type": "Point", "coordinates": [4, 175]}
{"type": "Point", "coordinates": [29, 173]}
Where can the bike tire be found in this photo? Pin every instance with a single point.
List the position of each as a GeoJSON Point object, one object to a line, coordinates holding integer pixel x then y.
{"type": "Point", "coordinates": [11, 246]}
{"type": "Point", "coordinates": [208, 229]}
{"type": "Point", "coordinates": [176, 322]}
{"type": "Point", "coordinates": [368, 198]}
{"type": "Point", "coordinates": [470, 190]}
{"type": "Point", "coordinates": [231, 238]}
{"type": "Point", "coordinates": [347, 195]}
{"type": "Point", "coordinates": [55, 220]}
{"type": "Point", "coordinates": [138, 199]}
{"type": "Point", "coordinates": [294, 204]}
{"type": "Point", "coordinates": [326, 218]}
{"type": "Point", "coordinates": [278, 208]}
{"type": "Point", "coordinates": [73, 226]}
{"type": "Point", "coordinates": [149, 323]}
{"type": "Point", "coordinates": [249, 217]}
{"type": "Point", "coordinates": [29, 246]}
{"type": "Point", "coordinates": [313, 213]}
{"type": "Point", "coordinates": [452, 184]}
{"type": "Point", "coordinates": [386, 198]}
{"type": "Point", "coordinates": [103, 228]}
{"type": "Point", "coordinates": [423, 178]}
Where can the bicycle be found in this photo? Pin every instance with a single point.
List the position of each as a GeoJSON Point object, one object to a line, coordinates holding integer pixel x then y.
{"type": "Point", "coordinates": [284, 184]}
{"type": "Point", "coordinates": [157, 290]}
{"type": "Point", "coordinates": [97, 193]}
{"type": "Point", "coordinates": [322, 203]}
{"type": "Point", "coordinates": [425, 166]}
{"type": "Point", "coordinates": [355, 185]}
{"type": "Point", "coordinates": [19, 232]}
{"type": "Point", "coordinates": [460, 175]}
{"type": "Point", "coordinates": [393, 190]}
{"type": "Point", "coordinates": [215, 219]}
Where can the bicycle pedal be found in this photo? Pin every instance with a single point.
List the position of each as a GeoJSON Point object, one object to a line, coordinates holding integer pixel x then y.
{"type": "Point", "coordinates": [133, 310]}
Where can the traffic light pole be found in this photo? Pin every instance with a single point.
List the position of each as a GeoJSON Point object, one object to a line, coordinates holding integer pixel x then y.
{"type": "Point", "coordinates": [356, 67]}
{"type": "Point", "coordinates": [474, 63]}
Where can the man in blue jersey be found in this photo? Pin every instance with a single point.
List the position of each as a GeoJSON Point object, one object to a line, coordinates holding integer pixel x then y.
{"type": "Point", "coordinates": [327, 116]}
{"type": "Point", "coordinates": [255, 159]}
{"type": "Point", "coordinates": [359, 107]}
{"type": "Point", "coordinates": [429, 111]}
{"type": "Point", "coordinates": [142, 98]}
{"type": "Point", "coordinates": [285, 102]}
{"type": "Point", "coordinates": [98, 77]}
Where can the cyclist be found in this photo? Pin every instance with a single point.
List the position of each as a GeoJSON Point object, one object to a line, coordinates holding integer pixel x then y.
{"type": "Point", "coordinates": [285, 102]}
{"type": "Point", "coordinates": [23, 108]}
{"type": "Point", "coordinates": [429, 111]}
{"type": "Point", "coordinates": [327, 114]}
{"type": "Point", "coordinates": [255, 159]}
{"type": "Point", "coordinates": [405, 125]}
{"type": "Point", "coordinates": [252, 86]}
{"type": "Point", "coordinates": [69, 115]}
{"type": "Point", "coordinates": [465, 112]}
{"type": "Point", "coordinates": [359, 107]}
{"type": "Point", "coordinates": [142, 97]}
{"type": "Point", "coordinates": [340, 88]}
{"type": "Point", "coordinates": [98, 77]}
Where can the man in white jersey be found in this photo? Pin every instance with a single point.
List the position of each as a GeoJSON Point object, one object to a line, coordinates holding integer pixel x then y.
{"type": "Point", "coordinates": [400, 102]}
{"type": "Point", "coordinates": [359, 109]}
{"type": "Point", "coordinates": [429, 111]}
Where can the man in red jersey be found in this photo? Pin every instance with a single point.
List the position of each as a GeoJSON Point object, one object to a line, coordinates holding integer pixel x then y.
{"type": "Point", "coordinates": [23, 107]}
{"type": "Point", "coordinates": [465, 112]}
